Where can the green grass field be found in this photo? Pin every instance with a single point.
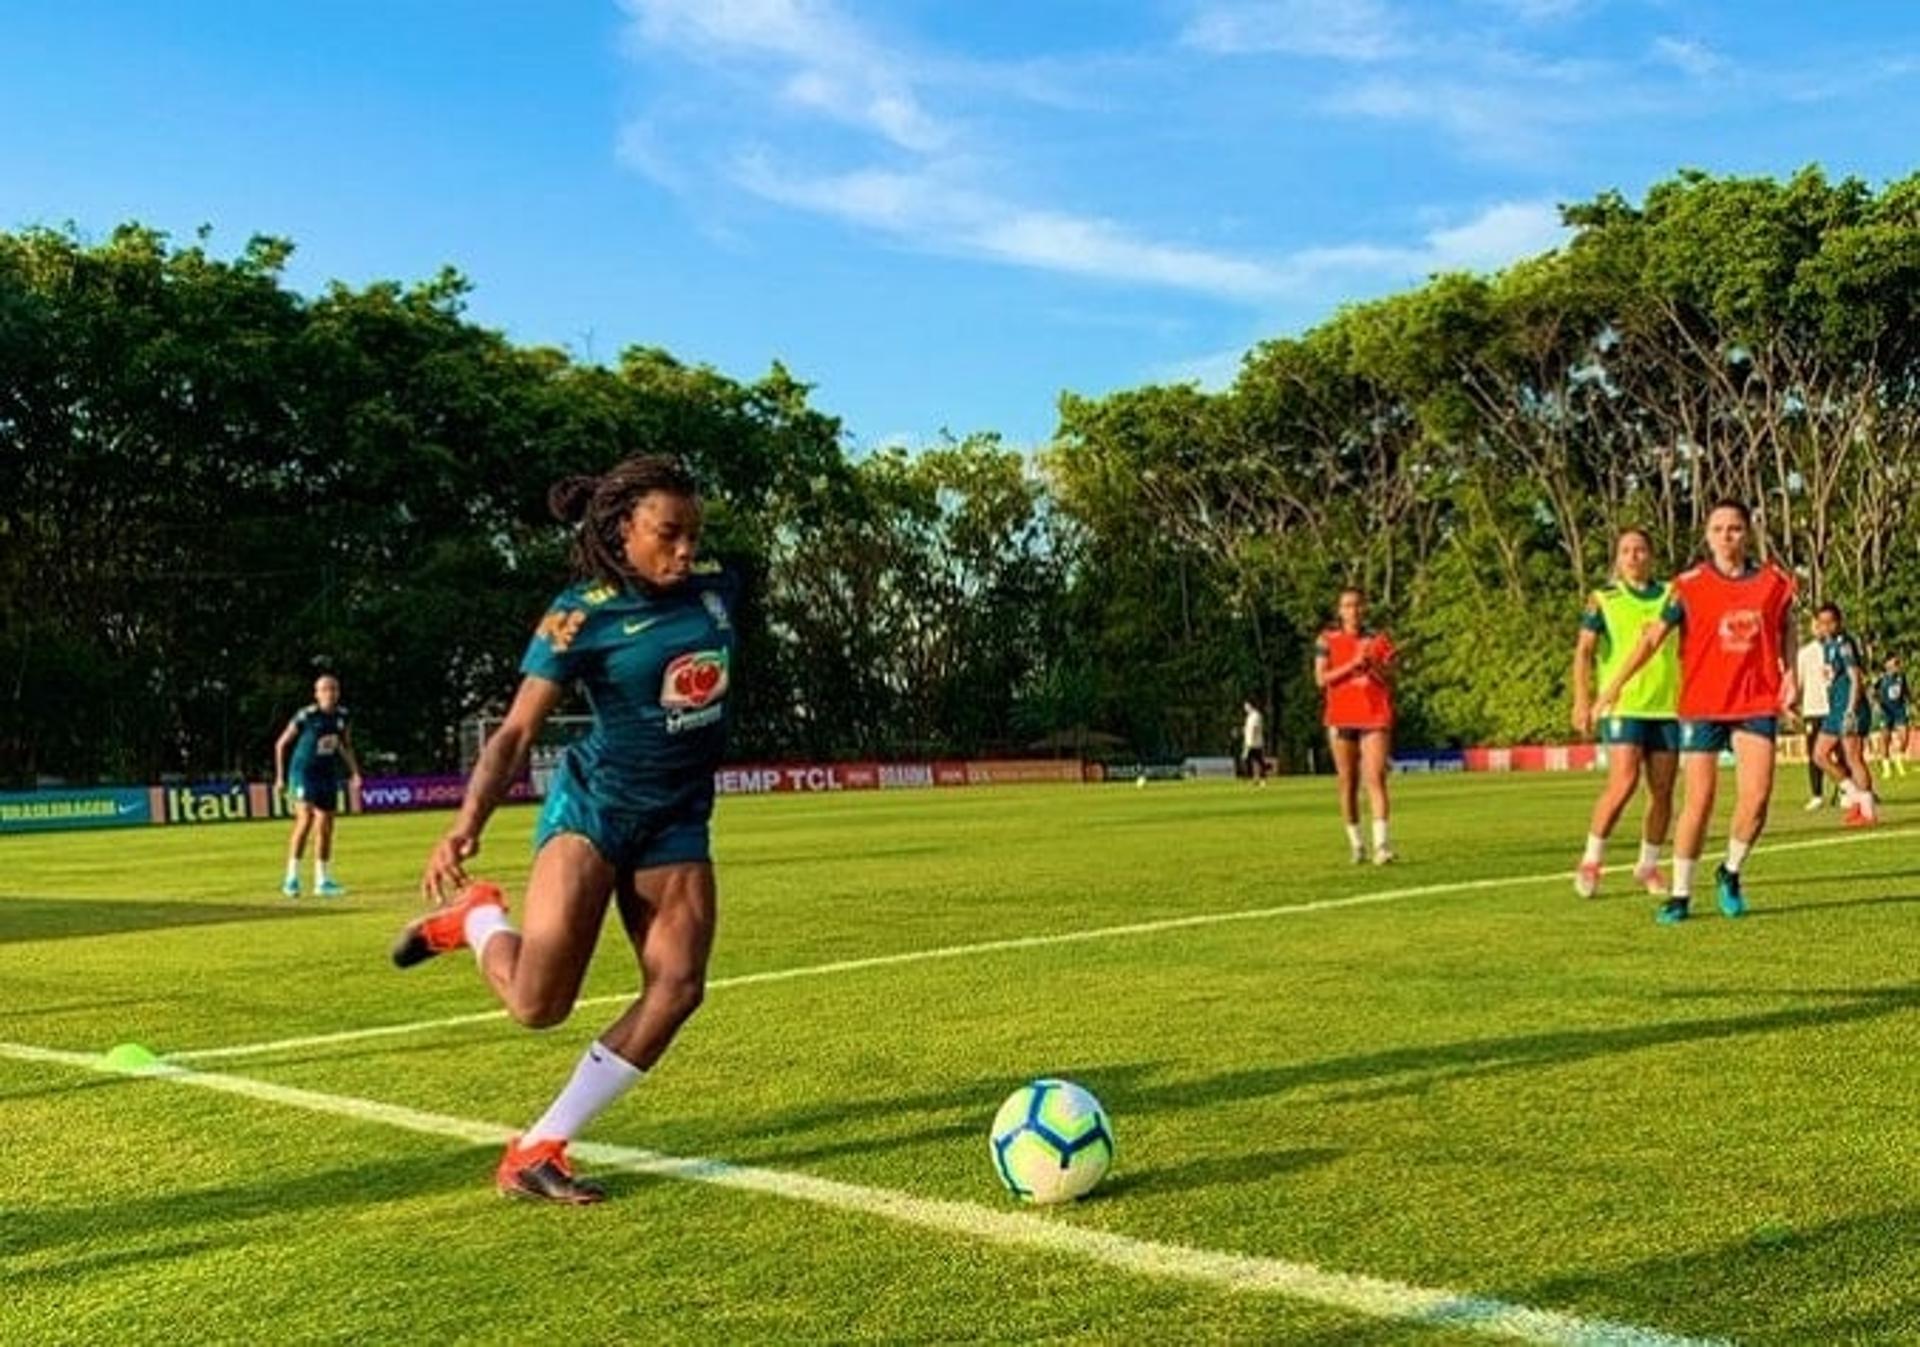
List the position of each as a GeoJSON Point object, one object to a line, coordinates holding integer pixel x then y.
{"type": "Point", "coordinates": [1496, 1089]}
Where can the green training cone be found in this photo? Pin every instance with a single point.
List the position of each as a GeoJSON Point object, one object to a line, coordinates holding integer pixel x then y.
{"type": "Point", "coordinates": [131, 1057]}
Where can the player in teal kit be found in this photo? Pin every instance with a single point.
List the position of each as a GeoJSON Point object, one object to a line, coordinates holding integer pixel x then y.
{"type": "Point", "coordinates": [1891, 695]}
{"type": "Point", "coordinates": [648, 635]}
{"type": "Point", "coordinates": [319, 742]}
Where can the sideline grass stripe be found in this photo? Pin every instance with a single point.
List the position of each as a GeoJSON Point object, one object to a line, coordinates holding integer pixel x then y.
{"type": "Point", "coordinates": [1374, 1297]}
{"type": "Point", "coordinates": [980, 947]}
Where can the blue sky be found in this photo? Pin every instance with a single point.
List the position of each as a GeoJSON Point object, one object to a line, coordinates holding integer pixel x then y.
{"type": "Point", "coordinates": [942, 214]}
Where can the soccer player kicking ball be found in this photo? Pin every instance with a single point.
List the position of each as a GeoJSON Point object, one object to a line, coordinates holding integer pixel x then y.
{"type": "Point", "coordinates": [648, 634]}
{"type": "Point", "coordinates": [1642, 736]}
{"type": "Point", "coordinates": [1353, 664]}
{"type": "Point", "coordinates": [1841, 749]}
{"type": "Point", "coordinates": [319, 741]}
{"type": "Point", "coordinates": [1735, 620]}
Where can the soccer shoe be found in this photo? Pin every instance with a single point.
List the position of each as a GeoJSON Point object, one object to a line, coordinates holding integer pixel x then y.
{"type": "Point", "coordinates": [1586, 879]}
{"type": "Point", "coordinates": [1858, 817]}
{"type": "Point", "coordinates": [1649, 878]}
{"type": "Point", "coordinates": [445, 929]}
{"type": "Point", "coordinates": [290, 887]}
{"type": "Point", "coordinates": [1726, 885]}
{"type": "Point", "coordinates": [1672, 912]}
{"type": "Point", "coordinates": [1359, 858]}
{"type": "Point", "coordinates": [1385, 855]}
{"type": "Point", "coordinates": [329, 888]}
{"type": "Point", "coordinates": [540, 1171]}
{"type": "Point", "coordinates": [1815, 804]}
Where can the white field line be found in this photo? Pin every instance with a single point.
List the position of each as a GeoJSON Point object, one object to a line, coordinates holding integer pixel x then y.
{"type": "Point", "coordinates": [1374, 1297]}
{"type": "Point", "coordinates": [981, 947]}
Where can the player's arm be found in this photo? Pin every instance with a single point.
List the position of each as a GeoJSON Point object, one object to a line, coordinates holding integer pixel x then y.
{"type": "Point", "coordinates": [346, 751]}
{"type": "Point", "coordinates": [281, 747]}
{"type": "Point", "coordinates": [1643, 650]}
{"type": "Point", "coordinates": [501, 759]}
{"type": "Point", "coordinates": [1789, 665]}
{"type": "Point", "coordinates": [1325, 673]}
{"type": "Point", "coordinates": [1584, 645]}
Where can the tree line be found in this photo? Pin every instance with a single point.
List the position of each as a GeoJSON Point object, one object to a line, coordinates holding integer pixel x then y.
{"type": "Point", "coordinates": [215, 486]}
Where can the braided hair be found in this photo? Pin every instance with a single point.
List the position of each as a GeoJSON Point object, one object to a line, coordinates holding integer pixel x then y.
{"type": "Point", "coordinates": [599, 508]}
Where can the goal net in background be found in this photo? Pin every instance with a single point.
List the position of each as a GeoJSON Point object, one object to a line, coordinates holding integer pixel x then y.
{"type": "Point", "coordinates": [555, 735]}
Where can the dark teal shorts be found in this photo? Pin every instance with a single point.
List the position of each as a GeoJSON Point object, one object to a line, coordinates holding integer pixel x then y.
{"type": "Point", "coordinates": [318, 792]}
{"type": "Point", "coordinates": [1716, 736]}
{"type": "Point", "coordinates": [629, 840]}
{"type": "Point", "coordinates": [1838, 723]}
{"type": "Point", "coordinates": [1893, 717]}
{"type": "Point", "coordinates": [1649, 736]}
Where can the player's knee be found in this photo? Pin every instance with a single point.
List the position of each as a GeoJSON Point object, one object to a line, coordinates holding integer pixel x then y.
{"type": "Point", "coordinates": [539, 1012]}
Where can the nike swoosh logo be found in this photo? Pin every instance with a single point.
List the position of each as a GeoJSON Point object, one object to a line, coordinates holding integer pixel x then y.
{"type": "Point", "coordinates": [635, 628]}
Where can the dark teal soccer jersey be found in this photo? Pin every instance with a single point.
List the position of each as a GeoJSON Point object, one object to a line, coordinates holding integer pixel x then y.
{"type": "Point", "coordinates": [1842, 654]}
{"type": "Point", "coordinates": [657, 671]}
{"type": "Point", "coordinates": [316, 749]}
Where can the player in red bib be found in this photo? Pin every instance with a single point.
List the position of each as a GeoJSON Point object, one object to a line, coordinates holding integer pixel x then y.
{"type": "Point", "coordinates": [1353, 666]}
{"type": "Point", "coordinates": [1735, 619]}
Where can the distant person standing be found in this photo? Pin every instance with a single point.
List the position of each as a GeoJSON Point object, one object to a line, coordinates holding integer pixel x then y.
{"type": "Point", "coordinates": [1353, 666]}
{"type": "Point", "coordinates": [318, 740]}
{"type": "Point", "coordinates": [1841, 748]}
{"type": "Point", "coordinates": [1253, 743]}
{"type": "Point", "coordinates": [1810, 673]}
{"type": "Point", "coordinates": [1890, 690]}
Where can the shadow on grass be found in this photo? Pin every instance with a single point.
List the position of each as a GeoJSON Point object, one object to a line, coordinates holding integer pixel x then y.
{"type": "Point", "coordinates": [1841, 1281]}
{"type": "Point", "coordinates": [23, 919]}
{"type": "Point", "coordinates": [66, 1271]}
{"type": "Point", "coordinates": [1430, 1064]}
{"type": "Point", "coordinates": [162, 1211]}
{"type": "Point", "coordinates": [1214, 1171]}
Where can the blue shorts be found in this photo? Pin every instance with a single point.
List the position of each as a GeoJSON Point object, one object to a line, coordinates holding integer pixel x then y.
{"type": "Point", "coordinates": [317, 792]}
{"type": "Point", "coordinates": [1839, 723]}
{"type": "Point", "coordinates": [627, 839]}
{"type": "Point", "coordinates": [1716, 736]}
{"type": "Point", "coordinates": [1649, 736]}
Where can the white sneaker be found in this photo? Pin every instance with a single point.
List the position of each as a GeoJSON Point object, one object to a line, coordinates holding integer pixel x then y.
{"type": "Point", "coordinates": [1816, 804]}
{"type": "Point", "coordinates": [1384, 856]}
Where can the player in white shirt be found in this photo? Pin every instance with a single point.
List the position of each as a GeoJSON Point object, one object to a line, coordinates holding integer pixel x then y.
{"type": "Point", "coordinates": [1810, 668]}
{"type": "Point", "coordinates": [1253, 743]}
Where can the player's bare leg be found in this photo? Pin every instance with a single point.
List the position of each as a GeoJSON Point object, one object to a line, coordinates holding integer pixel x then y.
{"type": "Point", "coordinates": [1346, 771]}
{"type": "Point", "coordinates": [1623, 776]}
{"type": "Point", "coordinates": [1753, 759]}
{"type": "Point", "coordinates": [1375, 753]}
{"type": "Point", "coordinates": [1701, 772]}
{"type": "Point", "coordinates": [1662, 769]}
{"type": "Point", "coordinates": [297, 848]}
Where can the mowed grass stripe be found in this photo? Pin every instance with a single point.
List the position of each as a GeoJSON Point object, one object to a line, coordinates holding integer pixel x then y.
{"type": "Point", "coordinates": [1138, 928]}
{"type": "Point", "coordinates": [1373, 1297]}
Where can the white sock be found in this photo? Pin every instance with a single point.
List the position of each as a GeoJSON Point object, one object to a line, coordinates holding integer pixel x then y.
{"type": "Point", "coordinates": [602, 1077]}
{"type": "Point", "coordinates": [1737, 854]}
{"type": "Point", "coordinates": [482, 924]}
{"type": "Point", "coordinates": [1596, 849]}
{"type": "Point", "coordinates": [1354, 839]}
{"type": "Point", "coordinates": [1870, 805]}
{"type": "Point", "coordinates": [1649, 855]}
{"type": "Point", "coordinates": [293, 869]}
{"type": "Point", "coordinates": [1683, 876]}
{"type": "Point", "coordinates": [320, 870]}
{"type": "Point", "coordinates": [1379, 834]}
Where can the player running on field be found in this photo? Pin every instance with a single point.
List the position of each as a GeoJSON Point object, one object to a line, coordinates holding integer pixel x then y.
{"type": "Point", "coordinates": [1841, 748]}
{"type": "Point", "coordinates": [1890, 690]}
{"type": "Point", "coordinates": [648, 634]}
{"type": "Point", "coordinates": [1642, 736]}
{"type": "Point", "coordinates": [319, 742]}
{"type": "Point", "coordinates": [1735, 620]}
{"type": "Point", "coordinates": [1253, 742]}
{"type": "Point", "coordinates": [1353, 666]}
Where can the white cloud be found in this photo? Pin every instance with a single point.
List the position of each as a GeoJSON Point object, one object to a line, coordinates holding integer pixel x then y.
{"type": "Point", "coordinates": [1344, 30]}
{"type": "Point", "coordinates": [1688, 57]}
{"type": "Point", "coordinates": [834, 67]}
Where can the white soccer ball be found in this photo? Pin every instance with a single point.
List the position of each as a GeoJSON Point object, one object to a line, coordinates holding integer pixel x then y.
{"type": "Point", "coordinates": [1051, 1142]}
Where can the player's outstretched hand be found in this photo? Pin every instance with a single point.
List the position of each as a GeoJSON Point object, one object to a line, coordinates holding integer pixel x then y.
{"type": "Point", "coordinates": [446, 868]}
{"type": "Point", "coordinates": [1583, 717]}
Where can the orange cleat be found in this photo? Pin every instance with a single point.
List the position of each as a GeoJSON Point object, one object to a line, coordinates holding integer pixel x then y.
{"type": "Point", "coordinates": [446, 928]}
{"type": "Point", "coordinates": [1858, 818]}
{"type": "Point", "coordinates": [539, 1170]}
